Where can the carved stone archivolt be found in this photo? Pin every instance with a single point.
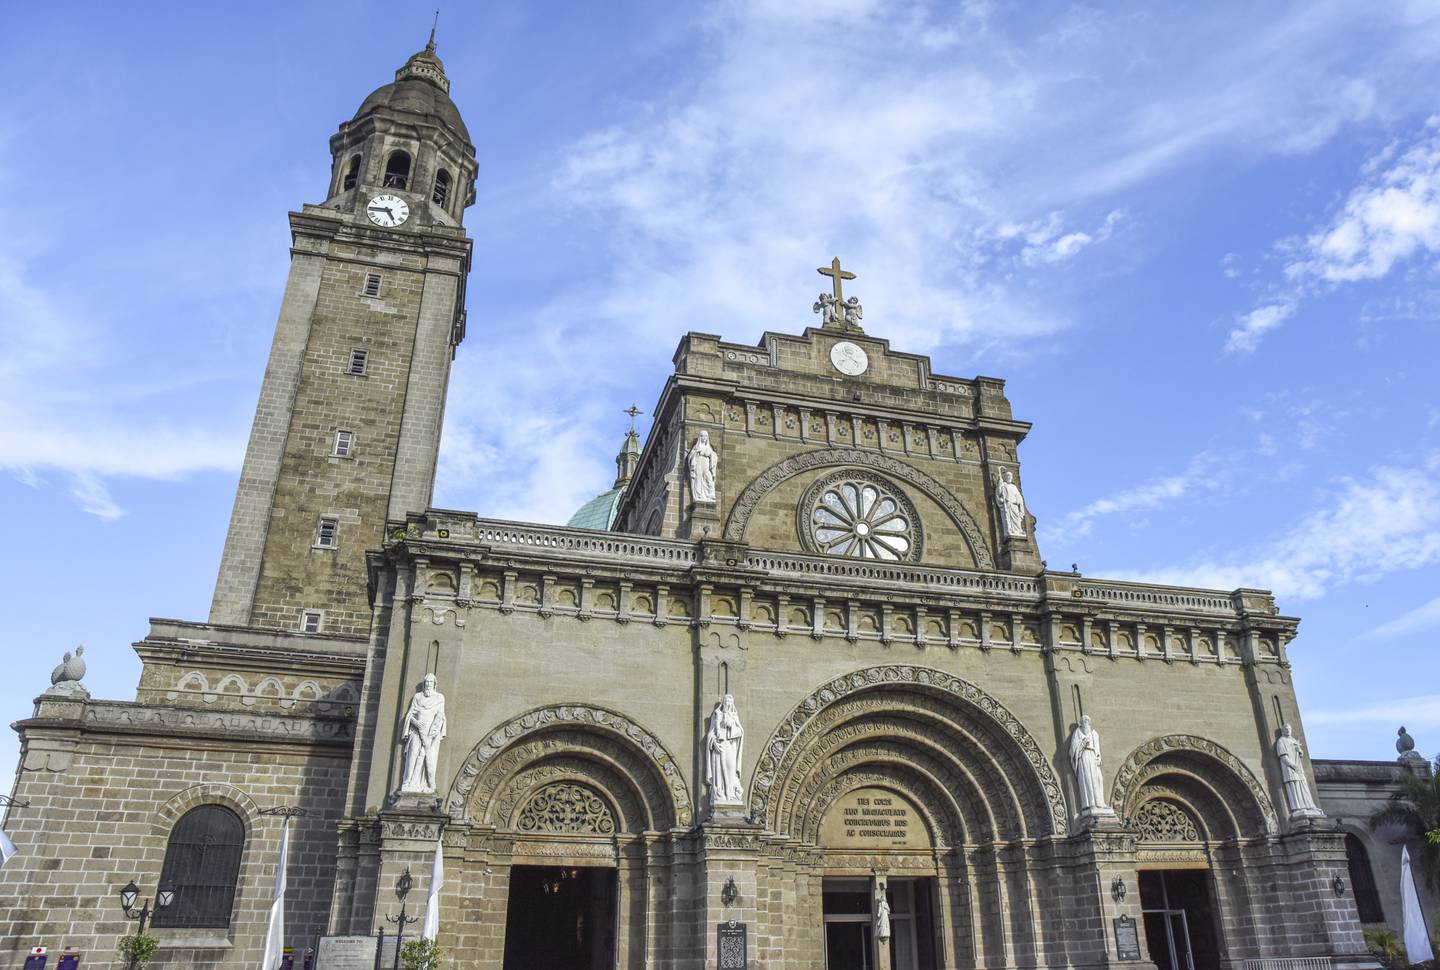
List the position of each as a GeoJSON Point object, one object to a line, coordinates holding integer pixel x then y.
{"type": "Point", "coordinates": [568, 809]}
{"type": "Point", "coordinates": [1160, 820]}
{"type": "Point", "coordinates": [949, 735]}
{"type": "Point", "coordinates": [1228, 798]}
{"type": "Point", "coordinates": [768, 480]}
{"type": "Point", "coordinates": [624, 756]}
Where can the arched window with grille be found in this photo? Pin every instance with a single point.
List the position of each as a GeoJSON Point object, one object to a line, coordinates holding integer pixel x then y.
{"type": "Point", "coordinates": [202, 862]}
{"type": "Point", "coordinates": [1362, 881]}
{"type": "Point", "coordinates": [352, 174]}
{"type": "Point", "coordinates": [397, 170]}
{"type": "Point", "coordinates": [441, 195]}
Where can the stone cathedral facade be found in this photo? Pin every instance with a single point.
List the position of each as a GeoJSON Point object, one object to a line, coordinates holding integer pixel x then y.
{"type": "Point", "coordinates": [806, 696]}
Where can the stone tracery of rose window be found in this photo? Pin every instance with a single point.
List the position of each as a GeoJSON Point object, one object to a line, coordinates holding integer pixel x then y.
{"type": "Point", "coordinates": [859, 516]}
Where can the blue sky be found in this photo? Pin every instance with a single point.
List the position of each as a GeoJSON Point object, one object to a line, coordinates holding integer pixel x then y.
{"type": "Point", "coordinates": [1199, 241]}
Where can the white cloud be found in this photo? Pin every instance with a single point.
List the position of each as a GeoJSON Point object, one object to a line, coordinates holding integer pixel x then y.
{"type": "Point", "coordinates": [1424, 617]}
{"type": "Point", "coordinates": [1045, 243]}
{"type": "Point", "coordinates": [1391, 217]}
{"type": "Point", "coordinates": [1388, 521]}
{"type": "Point", "coordinates": [1418, 712]}
{"type": "Point", "coordinates": [1255, 324]}
{"type": "Point", "coordinates": [1204, 472]}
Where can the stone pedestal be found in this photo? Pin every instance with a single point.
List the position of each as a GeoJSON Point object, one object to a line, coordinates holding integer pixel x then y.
{"type": "Point", "coordinates": [702, 521]}
{"type": "Point", "coordinates": [1017, 554]}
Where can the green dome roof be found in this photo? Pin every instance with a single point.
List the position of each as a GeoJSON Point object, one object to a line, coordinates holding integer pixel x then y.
{"type": "Point", "coordinates": [599, 512]}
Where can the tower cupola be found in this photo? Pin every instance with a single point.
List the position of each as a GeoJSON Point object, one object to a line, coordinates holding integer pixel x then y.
{"type": "Point", "coordinates": [407, 141]}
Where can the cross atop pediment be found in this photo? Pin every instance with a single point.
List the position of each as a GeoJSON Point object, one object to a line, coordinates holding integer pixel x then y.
{"type": "Point", "coordinates": [839, 313]}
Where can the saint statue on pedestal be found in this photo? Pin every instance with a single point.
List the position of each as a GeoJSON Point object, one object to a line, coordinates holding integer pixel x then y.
{"type": "Point", "coordinates": [423, 731]}
{"type": "Point", "coordinates": [724, 743]}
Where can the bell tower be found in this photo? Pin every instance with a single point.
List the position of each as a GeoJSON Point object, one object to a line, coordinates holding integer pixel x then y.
{"type": "Point", "coordinates": [347, 429]}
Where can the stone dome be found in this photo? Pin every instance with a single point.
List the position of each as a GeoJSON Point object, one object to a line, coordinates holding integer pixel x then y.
{"type": "Point", "coordinates": [420, 87]}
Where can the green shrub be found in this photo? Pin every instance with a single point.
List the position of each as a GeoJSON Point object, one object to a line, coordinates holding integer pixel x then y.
{"type": "Point", "coordinates": [137, 949]}
{"type": "Point", "coordinates": [420, 955]}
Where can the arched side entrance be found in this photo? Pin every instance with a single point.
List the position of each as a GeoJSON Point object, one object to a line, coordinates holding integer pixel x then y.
{"type": "Point", "coordinates": [1196, 809]}
{"type": "Point", "coordinates": [567, 807]}
{"type": "Point", "coordinates": [929, 788]}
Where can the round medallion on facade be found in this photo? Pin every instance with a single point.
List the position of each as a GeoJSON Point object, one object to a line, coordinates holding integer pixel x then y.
{"type": "Point", "coordinates": [859, 515]}
{"type": "Point", "coordinates": [849, 359]}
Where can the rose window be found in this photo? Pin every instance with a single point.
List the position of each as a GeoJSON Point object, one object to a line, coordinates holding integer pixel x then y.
{"type": "Point", "coordinates": [860, 517]}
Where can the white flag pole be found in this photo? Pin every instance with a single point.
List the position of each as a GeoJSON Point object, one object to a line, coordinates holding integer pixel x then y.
{"type": "Point", "coordinates": [431, 928]}
{"type": "Point", "coordinates": [1417, 940]}
{"type": "Point", "coordinates": [275, 934]}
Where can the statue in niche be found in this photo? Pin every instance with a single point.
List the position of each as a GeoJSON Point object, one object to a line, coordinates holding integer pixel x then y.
{"type": "Point", "coordinates": [882, 913]}
{"type": "Point", "coordinates": [1011, 505]}
{"type": "Point", "coordinates": [423, 731]}
{"type": "Point", "coordinates": [1085, 760]}
{"type": "Point", "coordinates": [724, 744]}
{"type": "Point", "coordinates": [702, 462]}
{"type": "Point", "coordinates": [1292, 773]}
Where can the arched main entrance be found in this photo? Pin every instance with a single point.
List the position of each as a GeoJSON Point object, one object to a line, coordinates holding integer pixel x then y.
{"type": "Point", "coordinates": [566, 803]}
{"type": "Point", "coordinates": [912, 784]}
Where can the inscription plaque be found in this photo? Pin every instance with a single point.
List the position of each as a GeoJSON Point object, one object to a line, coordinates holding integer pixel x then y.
{"type": "Point", "coordinates": [346, 953]}
{"type": "Point", "coordinates": [730, 944]}
{"type": "Point", "coordinates": [874, 818]}
{"type": "Point", "coordinates": [1127, 939]}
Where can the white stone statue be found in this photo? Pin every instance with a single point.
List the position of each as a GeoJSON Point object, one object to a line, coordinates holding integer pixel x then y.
{"type": "Point", "coordinates": [1012, 506]}
{"type": "Point", "coordinates": [423, 731]}
{"type": "Point", "coordinates": [1292, 773]}
{"type": "Point", "coordinates": [702, 462]}
{"type": "Point", "coordinates": [882, 914]}
{"type": "Point", "coordinates": [1085, 760]}
{"type": "Point", "coordinates": [724, 745]}
{"type": "Point", "coordinates": [830, 307]}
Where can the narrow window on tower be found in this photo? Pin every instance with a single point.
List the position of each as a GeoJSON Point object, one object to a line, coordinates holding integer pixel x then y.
{"type": "Point", "coordinates": [310, 621]}
{"type": "Point", "coordinates": [441, 195]}
{"type": "Point", "coordinates": [327, 533]}
{"type": "Point", "coordinates": [344, 443]}
{"type": "Point", "coordinates": [372, 284]}
{"type": "Point", "coordinates": [397, 171]}
{"type": "Point", "coordinates": [352, 174]}
{"type": "Point", "coordinates": [358, 360]}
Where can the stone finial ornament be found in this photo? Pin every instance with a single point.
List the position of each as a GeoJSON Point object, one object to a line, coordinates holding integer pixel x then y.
{"type": "Point", "coordinates": [1405, 745]}
{"type": "Point", "coordinates": [423, 731]}
{"type": "Point", "coordinates": [724, 746]}
{"type": "Point", "coordinates": [65, 678]}
{"type": "Point", "coordinates": [1084, 751]}
{"type": "Point", "coordinates": [1292, 773]}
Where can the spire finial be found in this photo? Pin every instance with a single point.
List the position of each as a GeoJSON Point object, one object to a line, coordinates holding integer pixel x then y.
{"type": "Point", "coordinates": [634, 413]}
{"type": "Point", "coordinates": [433, 24]}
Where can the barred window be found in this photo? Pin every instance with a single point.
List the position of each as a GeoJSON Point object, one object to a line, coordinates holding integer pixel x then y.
{"type": "Point", "coordinates": [202, 862]}
{"type": "Point", "coordinates": [358, 360]}
{"type": "Point", "coordinates": [310, 621]}
{"type": "Point", "coordinates": [327, 533]}
{"type": "Point", "coordinates": [441, 195]}
{"type": "Point", "coordinates": [372, 284]}
{"type": "Point", "coordinates": [344, 443]}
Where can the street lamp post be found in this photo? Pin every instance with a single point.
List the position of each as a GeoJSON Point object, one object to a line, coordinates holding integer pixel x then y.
{"type": "Point", "coordinates": [402, 889]}
{"type": "Point", "coordinates": [131, 892]}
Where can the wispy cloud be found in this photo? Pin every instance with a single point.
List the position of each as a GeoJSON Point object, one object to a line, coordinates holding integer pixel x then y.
{"type": "Point", "coordinates": [1424, 617]}
{"type": "Point", "coordinates": [1422, 711]}
{"type": "Point", "coordinates": [1205, 472]}
{"type": "Point", "coordinates": [1385, 522]}
{"type": "Point", "coordinates": [1390, 218]}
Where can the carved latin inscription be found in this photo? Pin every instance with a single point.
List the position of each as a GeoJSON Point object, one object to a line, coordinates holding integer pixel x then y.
{"type": "Point", "coordinates": [873, 818]}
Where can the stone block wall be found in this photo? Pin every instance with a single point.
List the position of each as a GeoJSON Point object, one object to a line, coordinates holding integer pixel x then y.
{"type": "Point", "coordinates": [95, 811]}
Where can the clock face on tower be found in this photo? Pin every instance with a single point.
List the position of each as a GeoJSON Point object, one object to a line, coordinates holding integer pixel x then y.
{"type": "Point", "coordinates": [387, 211]}
{"type": "Point", "coordinates": [848, 358]}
